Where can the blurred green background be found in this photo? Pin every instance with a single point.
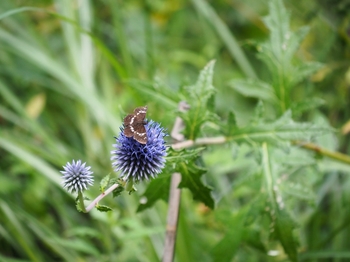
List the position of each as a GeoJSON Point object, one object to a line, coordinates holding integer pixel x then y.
{"type": "Point", "coordinates": [71, 70]}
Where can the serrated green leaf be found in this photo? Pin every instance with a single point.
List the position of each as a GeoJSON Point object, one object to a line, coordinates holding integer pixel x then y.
{"type": "Point", "coordinates": [157, 189]}
{"type": "Point", "coordinates": [200, 99]}
{"type": "Point", "coordinates": [306, 105]}
{"type": "Point", "coordinates": [203, 89]}
{"type": "Point", "coordinates": [211, 103]}
{"type": "Point", "coordinates": [293, 41]}
{"type": "Point", "coordinates": [103, 208]}
{"type": "Point", "coordinates": [184, 162]}
{"type": "Point", "coordinates": [254, 88]}
{"type": "Point", "coordinates": [281, 132]}
{"type": "Point", "coordinates": [191, 179]}
{"type": "Point", "coordinates": [278, 23]}
{"type": "Point", "coordinates": [277, 53]}
{"type": "Point", "coordinates": [227, 247]}
{"type": "Point", "coordinates": [258, 113]}
{"type": "Point", "coordinates": [104, 183]}
{"type": "Point", "coordinates": [230, 126]}
{"type": "Point", "coordinates": [184, 155]}
{"type": "Point", "coordinates": [120, 188]}
{"type": "Point", "coordinates": [115, 180]}
{"type": "Point", "coordinates": [306, 69]}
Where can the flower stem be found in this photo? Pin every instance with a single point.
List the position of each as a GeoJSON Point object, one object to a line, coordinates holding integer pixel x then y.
{"type": "Point", "coordinates": [200, 142]}
{"type": "Point", "coordinates": [174, 195]}
{"type": "Point", "coordinates": [100, 197]}
{"type": "Point", "coordinates": [81, 201]}
{"type": "Point", "coordinates": [324, 152]}
{"type": "Point", "coordinates": [221, 139]}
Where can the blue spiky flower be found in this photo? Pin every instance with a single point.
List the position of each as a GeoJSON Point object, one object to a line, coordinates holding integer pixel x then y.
{"type": "Point", "coordinates": [76, 176]}
{"type": "Point", "coordinates": [138, 161]}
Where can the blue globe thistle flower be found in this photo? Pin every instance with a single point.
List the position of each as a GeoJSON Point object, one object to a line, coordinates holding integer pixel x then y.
{"type": "Point", "coordinates": [138, 161]}
{"type": "Point", "coordinates": [76, 176]}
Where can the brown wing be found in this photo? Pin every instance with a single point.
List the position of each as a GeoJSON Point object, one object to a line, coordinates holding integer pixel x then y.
{"type": "Point", "coordinates": [128, 131]}
{"type": "Point", "coordinates": [140, 134]}
{"type": "Point", "coordinates": [140, 114]}
{"type": "Point", "coordinates": [134, 125]}
{"type": "Point", "coordinates": [141, 108]}
{"type": "Point", "coordinates": [128, 119]}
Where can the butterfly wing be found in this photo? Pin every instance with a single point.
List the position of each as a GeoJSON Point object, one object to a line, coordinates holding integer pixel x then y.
{"type": "Point", "coordinates": [134, 125]}
{"type": "Point", "coordinates": [140, 114]}
{"type": "Point", "coordinates": [127, 125]}
{"type": "Point", "coordinates": [140, 134]}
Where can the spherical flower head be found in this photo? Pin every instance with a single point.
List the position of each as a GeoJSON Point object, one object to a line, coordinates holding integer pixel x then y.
{"type": "Point", "coordinates": [76, 176]}
{"type": "Point", "coordinates": [138, 161]}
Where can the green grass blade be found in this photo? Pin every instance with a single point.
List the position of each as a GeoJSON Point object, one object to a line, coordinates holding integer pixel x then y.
{"type": "Point", "coordinates": [226, 36]}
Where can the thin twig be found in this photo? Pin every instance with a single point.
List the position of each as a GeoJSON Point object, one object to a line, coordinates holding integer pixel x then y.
{"type": "Point", "coordinates": [101, 196]}
{"type": "Point", "coordinates": [172, 219]}
{"type": "Point", "coordinates": [325, 152]}
{"type": "Point", "coordinates": [221, 139]}
{"type": "Point", "coordinates": [200, 142]}
{"type": "Point", "coordinates": [174, 196]}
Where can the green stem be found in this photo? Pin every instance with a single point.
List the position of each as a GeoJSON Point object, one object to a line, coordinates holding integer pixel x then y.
{"type": "Point", "coordinates": [221, 140]}
{"type": "Point", "coordinates": [324, 152]}
{"type": "Point", "coordinates": [81, 201]}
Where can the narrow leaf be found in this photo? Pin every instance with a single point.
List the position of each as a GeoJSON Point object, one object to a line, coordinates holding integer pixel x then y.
{"type": "Point", "coordinates": [103, 208]}
{"type": "Point", "coordinates": [254, 88]}
{"type": "Point", "coordinates": [227, 247]}
{"type": "Point", "coordinates": [284, 227]}
{"type": "Point", "coordinates": [230, 126]}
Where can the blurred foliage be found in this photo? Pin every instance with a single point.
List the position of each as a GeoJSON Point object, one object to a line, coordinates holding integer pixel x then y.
{"type": "Point", "coordinates": [71, 70]}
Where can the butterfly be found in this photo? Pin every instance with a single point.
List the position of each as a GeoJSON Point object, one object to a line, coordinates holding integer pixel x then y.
{"type": "Point", "coordinates": [134, 125]}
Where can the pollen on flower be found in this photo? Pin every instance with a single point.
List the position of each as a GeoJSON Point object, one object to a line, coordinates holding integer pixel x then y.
{"type": "Point", "coordinates": [76, 176]}
{"type": "Point", "coordinates": [138, 161]}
